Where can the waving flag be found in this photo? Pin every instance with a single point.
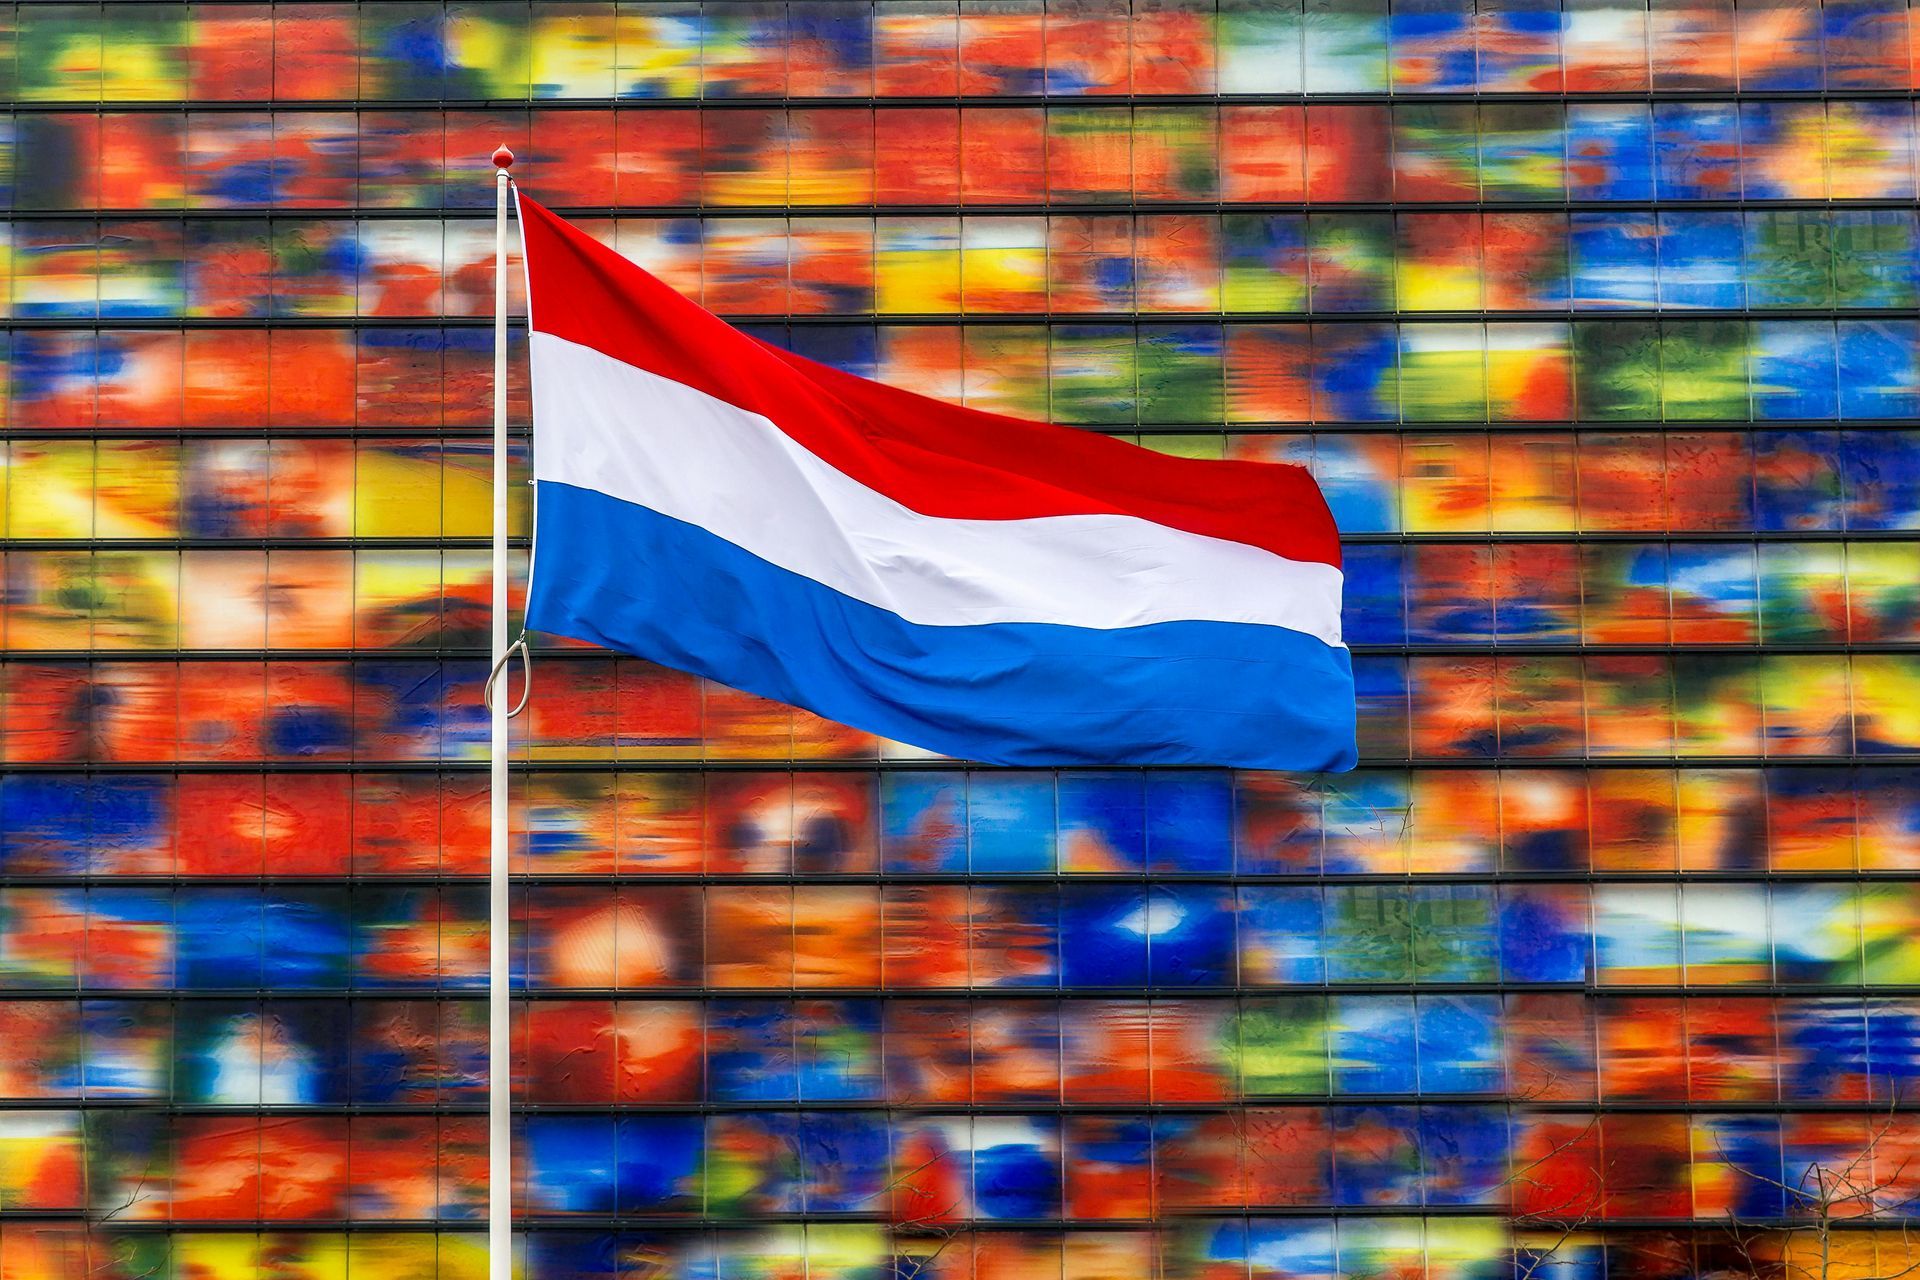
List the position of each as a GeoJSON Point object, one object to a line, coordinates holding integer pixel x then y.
{"type": "Point", "coordinates": [999, 590]}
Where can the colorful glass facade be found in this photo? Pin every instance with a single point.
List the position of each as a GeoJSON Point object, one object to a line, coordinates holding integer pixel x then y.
{"type": "Point", "coordinates": [1599, 322]}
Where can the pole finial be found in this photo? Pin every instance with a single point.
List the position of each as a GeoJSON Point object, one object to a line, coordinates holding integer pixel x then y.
{"type": "Point", "coordinates": [502, 158]}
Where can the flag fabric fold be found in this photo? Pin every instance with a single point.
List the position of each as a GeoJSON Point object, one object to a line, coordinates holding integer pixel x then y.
{"type": "Point", "coordinates": [988, 588]}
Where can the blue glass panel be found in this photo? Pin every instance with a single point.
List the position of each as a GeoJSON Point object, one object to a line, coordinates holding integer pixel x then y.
{"type": "Point", "coordinates": [1280, 934]}
{"type": "Point", "coordinates": [1360, 482]}
{"type": "Point", "coordinates": [1879, 369]}
{"type": "Point", "coordinates": [1544, 934]}
{"type": "Point", "coordinates": [1881, 471]}
{"type": "Point", "coordinates": [1795, 371]}
{"type": "Point", "coordinates": [1609, 151]}
{"type": "Point", "coordinates": [1102, 822]}
{"type": "Point", "coordinates": [1355, 371]}
{"type": "Point", "coordinates": [843, 1156]}
{"type": "Point", "coordinates": [1284, 1249]}
{"type": "Point", "coordinates": [1432, 46]}
{"type": "Point", "coordinates": [1463, 1154]}
{"type": "Point", "coordinates": [1797, 479]}
{"type": "Point", "coordinates": [1373, 607]}
{"type": "Point", "coordinates": [1016, 1167]}
{"type": "Point", "coordinates": [1010, 822]}
{"type": "Point", "coordinates": [1376, 1155]}
{"type": "Point", "coordinates": [923, 821]}
{"type": "Point", "coordinates": [1190, 935]}
{"type": "Point", "coordinates": [306, 938]}
{"type": "Point", "coordinates": [750, 1051]}
{"type": "Point", "coordinates": [1697, 150]}
{"type": "Point", "coordinates": [1460, 1044]}
{"type": "Point", "coordinates": [1103, 936]}
{"type": "Point", "coordinates": [570, 1163]}
{"type": "Point", "coordinates": [1699, 256]}
{"type": "Point", "coordinates": [1190, 822]}
{"type": "Point", "coordinates": [1614, 257]}
{"type": "Point", "coordinates": [837, 1050]}
{"type": "Point", "coordinates": [659, 1163]}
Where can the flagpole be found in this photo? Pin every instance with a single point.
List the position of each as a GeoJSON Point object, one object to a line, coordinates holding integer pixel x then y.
{"type": "Point", "coordinates": [499, 1011]}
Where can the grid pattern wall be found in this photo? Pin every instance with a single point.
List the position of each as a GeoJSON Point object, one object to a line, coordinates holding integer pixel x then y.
{"type": "Point", "coordinates": [1597, 320]}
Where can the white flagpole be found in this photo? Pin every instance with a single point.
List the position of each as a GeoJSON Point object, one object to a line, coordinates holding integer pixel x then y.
{"type": "Point", "coordinates": [499, 1011]}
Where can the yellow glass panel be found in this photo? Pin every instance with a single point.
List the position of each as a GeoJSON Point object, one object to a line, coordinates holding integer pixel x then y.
{"type": "Point", "coordinates": [1461, 1249]}
{"type": "Point", "coordinates": [137, 489]}
{"type": "Point", "coordinates": [1880, 579]}
{"type": "Point", "coordinates": [137, 597]}
{"type": "Point", "coordinates": [396, 599]}
{"type": "Point", "coordinates": [1529, 372]}
{"type": "Point", "coordinates": [1438, 286]}
{"type": "Point", "coordinates": [835, 1249]}
{"type": "Point", "coordinates": [6, 269]}
{"type": "Point", "coordinates": [218, 1253]}
{"type": "Point", "coordinates": [656, 52]}
{"type": "Point", "coordinates": [141, 61]}
{"type": "Point", "coordinates": [495, 52]}
{"type": "Point", "coordinates": [1867, 152]}
{"type": "Point", "coordinates": [1003, 264]}
{"type": "Point", "coordinates": [467, 490]}
{"type": "Point", "coordinates": [1443, 373]}
{"type": "Point", "coordinates": [1187, 446]}
{"type": "Point", "coordinates": [1890, 929]}
{"type": "Point", "coordinates": [1805, 704]}
{"type": "Point", "coordinates": [311, 1255]}
{"type": "Point", "coordinates": [572, 50]}
{"type": "Point", "coordinates": [917, 265]}
{"type": "Point", "coordinates": [50, 489]}
{"type": "Point", "coordinates": [444, 1257]}
{"type": "Point", "coordinates": [397, 489]}
{"type": "Point", "coordinates": [1886, 702]}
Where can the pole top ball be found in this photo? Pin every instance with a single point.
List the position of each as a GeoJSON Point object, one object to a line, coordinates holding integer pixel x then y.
{"type": "Point", "coordinates": [502, 158]}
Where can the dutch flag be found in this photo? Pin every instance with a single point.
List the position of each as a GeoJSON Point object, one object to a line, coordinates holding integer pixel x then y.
{"type": "Point", "coordinates": [992, 589]}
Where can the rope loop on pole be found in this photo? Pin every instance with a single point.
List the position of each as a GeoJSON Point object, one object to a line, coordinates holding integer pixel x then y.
{"type": "Point", "coordinates": [499, 669]}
